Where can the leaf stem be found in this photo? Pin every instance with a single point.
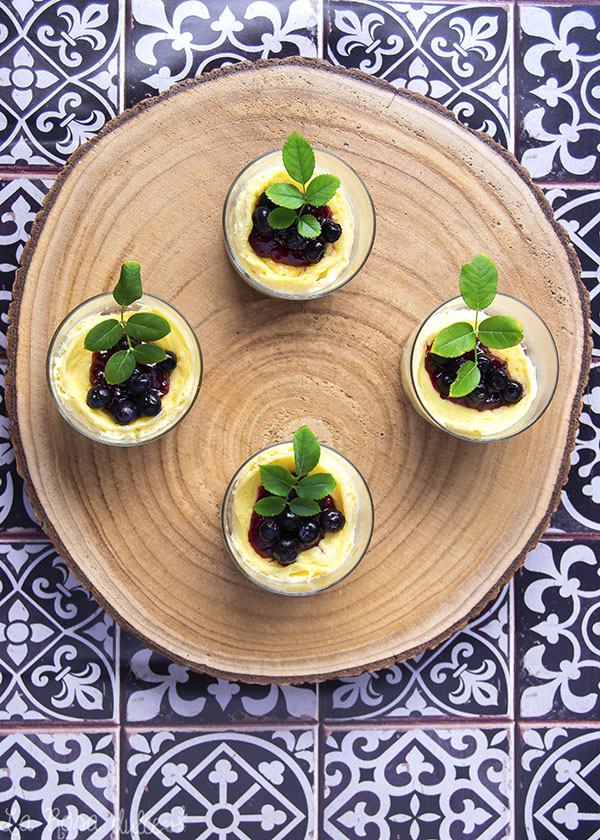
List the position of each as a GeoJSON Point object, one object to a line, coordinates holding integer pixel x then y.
{"type": "Point", "coordinates": [125, 328]}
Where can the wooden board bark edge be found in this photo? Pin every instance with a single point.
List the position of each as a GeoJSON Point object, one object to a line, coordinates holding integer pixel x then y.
{"type": "Point", "coordinates": [12, 345]}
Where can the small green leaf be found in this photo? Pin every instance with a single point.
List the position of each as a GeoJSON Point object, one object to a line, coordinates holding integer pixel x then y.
{"type": "Point", "coordinates": [308, 226]}
{"type": "Point", "coordinates": [306, 451]}
{"type": "Point", "coordinates": [500, 331]}
{"type": "Point", "coordinates": [304, 507]}
{"type": "Point", "coordinates": [119, 367]}
{"type": "Point", "coordinates": [146, 326]}
{"type": "Point", "coordinates": [270, 506]}
{"type": "Point", "coordinates": [316, 486]}
{"type": "Point", "coordinates": [104, 335]}
{"type": "Point", "coordinates": [129, 287]}
{"type": "Point", "coordinates": [298, 158]}
{"type": "Point", "coordinates": [148, 354]}
{"type": "Point", "coordinates": [285, 195]}
{"type": "Point", "coordinates": [467, 378]}
{"type": "Point", "coordinates": [454, 340]}
{"type": "Point", "coordinates": [479, 282]}
{"type": "Point", "coordinates": [281, 217]}
{"type": "Point", "coordinates": [276, 479]}
{"type": "Point", "coordinates": [321, 189]}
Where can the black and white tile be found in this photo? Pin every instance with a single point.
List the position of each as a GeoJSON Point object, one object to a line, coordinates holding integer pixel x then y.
{"type": "Point", "coordinates": [559, 783]}
{"type": "Point", "coordinates": [156, 690]}
{"type": "Point", "coordinates": [219, 784]}
{"type": "Point", "coordinates": [59, 77]}
{"type": "Point", "coordinates": [469, 675]}
{"type": "Point", "coordinates": [559, 631]}
{"type": "Point", "coordinates": [170, 40]}
{"type": "Point", "coordinates": [58, 784]}
{"type": "Point", "coordinates": [559, 91]}
{"type": "Point", "coordinates": [458, 54]}
{"type": "Point", "coordinates": [422, 784]}
{"type": "Point", "coordinates": [58, 648]}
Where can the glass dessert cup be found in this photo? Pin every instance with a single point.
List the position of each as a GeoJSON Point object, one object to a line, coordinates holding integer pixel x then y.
{"type": "Point", "coordinates": [336, 555]}
{"type": "Point", "coordinates": [342, 261]}
{"type": "Point", "coordinates": [68, 365]}
{"type": "Point", "coordinates": [502, 423]}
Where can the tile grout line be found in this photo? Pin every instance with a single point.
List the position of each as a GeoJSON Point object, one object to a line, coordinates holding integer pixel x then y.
{"type": "Point", "coordinates": [122, 54]}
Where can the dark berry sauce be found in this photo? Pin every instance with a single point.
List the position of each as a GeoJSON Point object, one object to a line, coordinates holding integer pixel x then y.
{"type": "Point", "coordinates": [274, 244]}
{"type": "Point", "coordinates": [161, 379]}
{"type": "Point", "coordinates": [265, 549]}
{"type": "Point", "coordinates": [494, 389]}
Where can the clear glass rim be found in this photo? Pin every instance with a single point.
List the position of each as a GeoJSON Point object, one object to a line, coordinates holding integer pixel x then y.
{"type": "Point", "coordinates": [483, 438]}
{"type": "Point", "coordinates": [265, 289]}
{"type": "Point", "coordinates": [86, 432]}
{"type": "Point", "coordinates": [265, 585]}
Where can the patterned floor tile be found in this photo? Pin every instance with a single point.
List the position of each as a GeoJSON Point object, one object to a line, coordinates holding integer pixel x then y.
{"type": "Point", "coordinates": [422, 784]}
{"type": "Point", "coordinates": [458, 54]}
{"type": "Point", "coordinates": [59, 77]}
{"type": "Point", "coordinates": [469, 675]}
{"type": "Point", "coordinates": [558, 97]}
{"type": "Point", "coordinates": [57, 646]}
{"type": "Point", "coordinates": [156, 690]}
{"type": "Point", "coordinates": [15, 509]}
{"type": "Point", "coordinates": [172, 40]}
{"type": "Point", "coordinates": [559, 631]}
{"type": "Point", "coordinates": [58, 785]}
{"type": "Point", "coordinates": [20, 200]}
{"type": "Point", "coordinates": [559, 784]}
{"type": "Point", "coordinates": [579, 509]}
{"type": "Point", "coordinates": [219, 784]}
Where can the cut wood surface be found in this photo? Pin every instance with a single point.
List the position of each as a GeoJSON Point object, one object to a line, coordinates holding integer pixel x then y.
{"type": "Point", "coordinates": [140, 526]}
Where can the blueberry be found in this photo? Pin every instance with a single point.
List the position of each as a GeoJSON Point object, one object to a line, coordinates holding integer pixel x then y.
{"type": "Point", "coordinates": [443, 381]}
{"type": "Point", "coordinates": [265, 201]}
{"type": "Point", "coordinates": [476, 397]}
{"type": "Point", "coordinates": [290, 522]}
{"type": "Point", "coordinates": [294, 240]}
{"type": "Point", "coordinates": [444, 362]}
{"type": "Point", "coordinates": [270, 529]}
{"type": "Point", "coordinates": [308, 532]}
{"type": "Point", "coordinates": [98, 396]}
{"type": "Point", "coordinates": [123, 344]}
{"type": "Point", "coordinates": [170, 363]}
{"type": "Point", "coordinates": [124, 412]}
{"type": "Point", "coordinates": [331, 231]}
{"type": "Point", "coordinates": [332, 520]}
{"type": "Point", "coordinates": [260, 217]}
{"type": "Point", "coordinates": [149, 404]}
{"type": "Point", "coordinates": [513, 391]}
{"type": "Point", "coordinates": [139, 382]}
{"type": "Point", "coordinates": [285, 551]}
{"type": "Point", "coordinates": [485, 365]}
{"type": "Point", "coordinates": [314, 251]}
{"type": "Point", "coordinates": [497, 380]}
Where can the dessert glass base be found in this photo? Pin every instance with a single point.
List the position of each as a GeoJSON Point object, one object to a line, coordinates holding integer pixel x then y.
{"type": "Point", "coordinates": [352, 208]}
{"type": "Point", "coordinates": [317, 568]}
{"type": "Point", "coordinates": [534, 361]}
{"type": "Point", "coordinates": [68, 372]}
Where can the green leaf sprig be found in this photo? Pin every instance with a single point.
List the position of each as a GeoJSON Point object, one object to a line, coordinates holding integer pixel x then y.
{"type": "Point", "coordinates": [280, 482]}
{"type": "Point", "coordinates": [299, 161]}
{"type": "Point", "coordinates": [478, 287]}
{"type": "Point", "coordinates": [141, 326]}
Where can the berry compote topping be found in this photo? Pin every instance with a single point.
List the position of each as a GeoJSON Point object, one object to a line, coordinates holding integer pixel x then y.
{"type": "Point", "coordinates": [141, 394]}
{"type": "Point", "coordinates": [495, 389]}
{"type": "Point", "coordinates": [283, 537]}
{"type": "Point", "coordinates": [286, 245]}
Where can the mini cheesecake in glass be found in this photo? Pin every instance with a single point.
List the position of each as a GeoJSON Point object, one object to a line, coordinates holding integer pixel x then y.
{"type": "Point", "coordinates": [515, 385]}
{"type": "Point", "coordinates": [295, 554]}
{"type": "Point", "coordinates": [155, 395]}
{"type": "Point", "coordinates": [296, 262]}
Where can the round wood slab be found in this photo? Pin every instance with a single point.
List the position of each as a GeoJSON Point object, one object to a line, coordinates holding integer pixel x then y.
{"type": "Point", "coordinates": [140, 527]}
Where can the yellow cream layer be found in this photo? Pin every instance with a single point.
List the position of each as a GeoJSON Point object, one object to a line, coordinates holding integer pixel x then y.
{"type": "Point", "coordinates": [290, 279]}
{"type": "Point", "coordinates": [469, 421]}
{"type": "Point", "coordinates": [331, 552]}
{"type": "Point", "coordinates": [70, 371]}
